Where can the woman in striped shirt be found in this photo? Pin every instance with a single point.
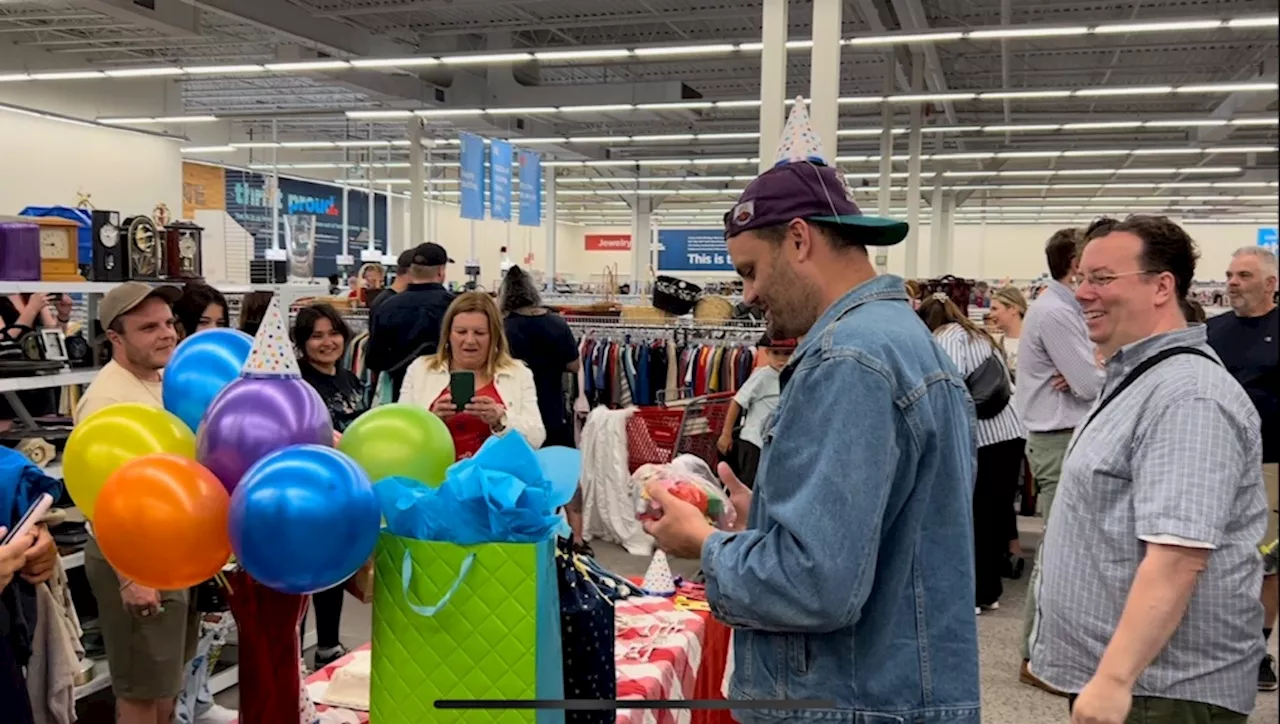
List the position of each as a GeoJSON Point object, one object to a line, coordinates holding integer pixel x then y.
{"type": "Point", "coordinates": [1000, 449]}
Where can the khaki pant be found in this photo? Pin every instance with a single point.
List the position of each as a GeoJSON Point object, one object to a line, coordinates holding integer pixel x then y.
{"type": "Point", "coordinates": [147, 656]}
{"type": "Point", "coordinates": [1045, 453]}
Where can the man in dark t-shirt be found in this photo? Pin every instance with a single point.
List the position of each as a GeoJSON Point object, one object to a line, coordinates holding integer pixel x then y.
{"type": "Point", "coordinates": [407, 325]}
{"type": "Point", "coordinates": [1248, 341]}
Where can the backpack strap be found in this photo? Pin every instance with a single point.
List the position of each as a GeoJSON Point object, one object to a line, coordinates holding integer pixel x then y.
{"type": "Point", "coordinates": [1137, 372]}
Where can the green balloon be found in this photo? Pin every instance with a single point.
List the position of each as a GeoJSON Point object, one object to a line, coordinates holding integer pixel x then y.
{"type": "Point", "coordinates": [400, 440]}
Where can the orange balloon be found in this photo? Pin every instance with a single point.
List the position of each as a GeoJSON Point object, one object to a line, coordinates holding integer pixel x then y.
{"type": "Point", "coordinates": [161, 521]}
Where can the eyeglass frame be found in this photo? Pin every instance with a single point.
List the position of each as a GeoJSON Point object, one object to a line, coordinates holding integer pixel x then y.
{"type": "Point", "coordinates": [1102, 280]}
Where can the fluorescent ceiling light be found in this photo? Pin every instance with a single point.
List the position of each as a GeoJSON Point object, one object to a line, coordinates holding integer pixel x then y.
{"type": "Point", "coordinates": [1149, 90]}
{"type": "Point", "coordinates": [931, 97]}
{"type": "Point", "coordinates": [410, 62]}
{"type": "Point", "coordinates": [1226, 87]}
{"type": "Point", "coordinates": [1100, 125]}
{"type": "Point", "coordinates": [1027, 127]}
{"type": "Point", "coordinates": [1013, 95]}
{"type": "Point", "coordinates": [222, 69]}
{"type": "Point", "coordinates": [143, 72]}
{"type": "Point", "coordinates": [304, 65]}
{"type": "Point", "coordinates": [552, 55]}
{"type": "Point", "coordinates": [306, 144]}
{"type": "Point", "coordinates": [738, 104]}
{"type": "Point", "coordinates": [666, 137]}
{"type": "Point", "coordinates": [1155, 27]}
{"type": "Point", "coordinates": [674, 106]}
{"type": "Point", "coordinates": [13, 77]}
{"type": "Point", "coordinates": [904, 38]}
{"type": "Point", "coordinates": [1268, 21]}
{"type": "Point", "coordinates": [793, 45]}
{"type": "Point", "coordinates": [1031, 32]}
{"type": "Point", "coordinates": [539, 110]}
{"type": "Point", "coordinates": [362, 144]}
{"type": "Point", "coordinates": [69, 75]}
{"type": "Point", "coordinates": [186, 119]}
{"type": "Point", "coordinates": [686, 50]}
{"type": "Point", "coordinates": [446, 112]}
{"type": "Point", "coordinates": [255, 144]}
{"type": "Point", "coordinates": [209, 149]}
{"type": "Point", "coordinates": [374, 115]}
{"type": "Point", "coordinates": [605, 108]}
{"type": "Point", "coordinates": [598, 139]}
{"type": "Point", "coordinates": [486, 58]}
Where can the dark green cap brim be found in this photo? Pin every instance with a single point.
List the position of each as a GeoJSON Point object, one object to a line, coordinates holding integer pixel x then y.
{"type": "Point", "coordinates": [872, 230]}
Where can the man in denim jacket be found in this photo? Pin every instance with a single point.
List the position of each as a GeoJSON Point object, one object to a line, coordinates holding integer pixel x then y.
{"type": "Point", "coordinates": [852, 584]}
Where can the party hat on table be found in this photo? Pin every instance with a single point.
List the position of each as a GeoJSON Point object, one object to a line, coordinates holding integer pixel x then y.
{"type": "Point", "coordinates": [799, 141]}
{"type": "Point", "coordinates": [658, 579]}
{"type": "Point", "coordinates": [272, 354]}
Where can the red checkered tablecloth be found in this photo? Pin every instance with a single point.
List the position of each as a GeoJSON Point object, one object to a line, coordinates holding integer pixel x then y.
{"type": "Point", "coordinates": [658, 650]}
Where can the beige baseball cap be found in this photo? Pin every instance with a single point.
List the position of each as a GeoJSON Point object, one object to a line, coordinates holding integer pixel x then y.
{"type": "Point", "coordinates": [126, 296]}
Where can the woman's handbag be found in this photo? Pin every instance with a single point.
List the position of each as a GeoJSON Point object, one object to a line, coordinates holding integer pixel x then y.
{"type": "Point", "coordinates": [989, 387]}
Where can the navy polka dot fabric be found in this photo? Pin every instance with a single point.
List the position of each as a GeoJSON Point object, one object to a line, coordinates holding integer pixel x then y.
{"type": "Point", "coordinates": [586, 627]}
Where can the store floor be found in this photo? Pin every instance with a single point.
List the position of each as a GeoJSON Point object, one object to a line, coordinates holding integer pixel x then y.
{"type": "Point", "coordinates": [1004, 700]}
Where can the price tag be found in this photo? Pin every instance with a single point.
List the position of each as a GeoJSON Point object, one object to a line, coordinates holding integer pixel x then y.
{"type": "Point", "coordinates": [276, 255]}
{"type": "Point", "coordinates": [346, 260]}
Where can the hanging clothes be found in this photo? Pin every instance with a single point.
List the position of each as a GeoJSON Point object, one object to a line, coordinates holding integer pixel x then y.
{"type": "Point", "coordinates": [623, 372]}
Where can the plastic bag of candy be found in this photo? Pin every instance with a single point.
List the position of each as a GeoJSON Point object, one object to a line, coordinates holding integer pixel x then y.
{"type": "Point", "coordinates": [688, 478]}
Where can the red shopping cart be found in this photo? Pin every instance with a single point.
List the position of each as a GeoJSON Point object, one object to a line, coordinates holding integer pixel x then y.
{"type": "Point", "coordinates": [657, 434]}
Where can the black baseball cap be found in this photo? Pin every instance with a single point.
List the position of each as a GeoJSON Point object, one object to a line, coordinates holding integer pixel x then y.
{"type": "Point", "coordinates": [811, 191]}
{"type": "Point", "coordinates": [428, 254]}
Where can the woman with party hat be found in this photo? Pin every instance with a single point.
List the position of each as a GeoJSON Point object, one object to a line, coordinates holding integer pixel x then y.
{"type": "Point", "coordinates": [858, 557]}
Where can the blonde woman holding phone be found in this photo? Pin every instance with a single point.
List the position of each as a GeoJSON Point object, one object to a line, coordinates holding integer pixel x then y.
{"type": "Point", "coordinates": [474, 358]}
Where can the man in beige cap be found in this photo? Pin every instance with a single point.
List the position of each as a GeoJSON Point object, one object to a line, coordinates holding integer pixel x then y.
{"type": "Point", "coordinates": [150, 635]}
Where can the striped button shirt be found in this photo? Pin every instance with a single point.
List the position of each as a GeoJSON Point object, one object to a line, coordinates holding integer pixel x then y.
{"type": "Point", "coordinates": [1176, 456]}
{"type": "Point", "coordinates": [1054, 340]}
{"type": "Point", "coordinates": [968, 352]}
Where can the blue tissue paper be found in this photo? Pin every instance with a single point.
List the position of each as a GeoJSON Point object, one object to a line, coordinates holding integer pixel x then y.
{"type": "Point", "coordinates": [505, 493]}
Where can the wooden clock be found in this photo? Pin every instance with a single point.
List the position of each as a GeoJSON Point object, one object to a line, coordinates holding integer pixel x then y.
{"type": "Point", "coordinates": [59, 250]}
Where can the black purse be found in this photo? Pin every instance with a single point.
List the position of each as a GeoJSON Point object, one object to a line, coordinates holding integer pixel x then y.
{"type": "Point", "coordinates": [989, 387]}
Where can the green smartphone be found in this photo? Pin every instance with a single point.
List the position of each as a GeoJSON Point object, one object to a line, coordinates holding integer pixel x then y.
{"type": "Point", "coordinates": [462, 387]}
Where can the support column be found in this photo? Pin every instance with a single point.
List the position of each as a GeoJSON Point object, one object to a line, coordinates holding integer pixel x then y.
{"type": "Point", "coordinates": [948, 225]}
{"type": "Point", "coordinates": [549, 218]}
{"type": "Point", "coordinates": [274, 196]}
{"type": "Point", "coordinates": [417, 186]}
{"type": "Point", "coordinates": [885, 189]}
{"type": "Point", "coordinates": [824, 80]}
{"type": "Point", "coordinates": [937, 230]}
{"type": "Point", "coordinates": [773, 79]}
{"type": "Point", "coordinates": [641, 206]}
{"type": "Point", "coordinates": [914, 151]}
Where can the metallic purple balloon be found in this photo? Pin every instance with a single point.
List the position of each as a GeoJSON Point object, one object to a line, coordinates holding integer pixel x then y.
{"type": "Point", "coordinates": [253, 417]}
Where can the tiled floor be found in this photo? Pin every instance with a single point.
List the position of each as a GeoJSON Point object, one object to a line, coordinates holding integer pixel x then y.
{"type": "Point", "coordinates": [1005, 701]}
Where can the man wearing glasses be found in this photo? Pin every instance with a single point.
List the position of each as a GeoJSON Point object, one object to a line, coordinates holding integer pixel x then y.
{"type": "Point", "coordinates": [1058, 380]}
{"type": "Point", "coordinates": [1148, 605]}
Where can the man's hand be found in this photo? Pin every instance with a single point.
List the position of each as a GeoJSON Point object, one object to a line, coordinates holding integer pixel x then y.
{"type": "Point", "coordinates": [13, 556]}
{"type": "Point", "coordinates": [41, 557]}
{"type": "Point", "coordinates": [739, 495]}
{"type": "Point", "coordinates": [140, 600]}
{"type": "Point", "coordinates": [1102, 701]}
{"type": "Point", "coordinates": [724, 443]}
{"type": "Point", "coordinates": [682, 529]}
{"type": "Point", "coordinates": [1059, 382]}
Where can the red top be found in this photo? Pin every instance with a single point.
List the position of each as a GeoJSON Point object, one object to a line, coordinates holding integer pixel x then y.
{"type": "Point", "coordinates": [469, 432]}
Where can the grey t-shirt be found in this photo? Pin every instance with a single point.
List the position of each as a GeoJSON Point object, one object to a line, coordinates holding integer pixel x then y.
{"type": "Point", "coordinates": [758, 396]}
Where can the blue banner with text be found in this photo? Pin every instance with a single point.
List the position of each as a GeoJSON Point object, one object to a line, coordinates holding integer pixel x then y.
{"type": "Point", "coordinates": [692, 250]}
{"type": "Point", "coordinates": [471, 200]}
{"type": "Point", "coordinates": [530, 189]}
{"type": "Point", "coordinates": [500, 159]}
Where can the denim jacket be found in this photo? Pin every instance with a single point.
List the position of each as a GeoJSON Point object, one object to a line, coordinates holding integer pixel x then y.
{"type": "Point", "coordinates": [853, 581]}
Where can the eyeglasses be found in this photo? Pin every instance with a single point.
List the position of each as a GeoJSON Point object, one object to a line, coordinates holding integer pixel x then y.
{"type": "Point", "coordinates": [1099, 279]}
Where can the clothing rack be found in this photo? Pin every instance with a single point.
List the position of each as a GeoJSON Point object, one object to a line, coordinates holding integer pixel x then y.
{"type": "Point", "coordinates": [681, 331]}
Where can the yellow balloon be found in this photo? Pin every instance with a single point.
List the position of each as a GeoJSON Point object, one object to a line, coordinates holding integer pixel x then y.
{"type": "Point", "coordinates": [113, 436]}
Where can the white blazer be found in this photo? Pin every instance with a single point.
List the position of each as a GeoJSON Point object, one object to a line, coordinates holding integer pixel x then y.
{"type": "Point", "coordinates": [424, 381]}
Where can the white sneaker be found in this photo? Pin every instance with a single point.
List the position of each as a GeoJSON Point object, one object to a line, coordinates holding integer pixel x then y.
{"type": "Point", "coordinates": [977, 610]}
{"type": "Point", "coordinates": [217, 714]}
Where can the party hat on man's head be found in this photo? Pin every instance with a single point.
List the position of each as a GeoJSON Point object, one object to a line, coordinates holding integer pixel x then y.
{"type": "Point", "coordinates": [272, 354]}
{"type": "Point", "coordinates": [658, 579]}
{"type": "Point", "coordinates": [799, 142]}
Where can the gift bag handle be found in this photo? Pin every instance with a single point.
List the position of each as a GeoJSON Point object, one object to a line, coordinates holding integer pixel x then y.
{"type": "Point", "coordinates": [406, 571]}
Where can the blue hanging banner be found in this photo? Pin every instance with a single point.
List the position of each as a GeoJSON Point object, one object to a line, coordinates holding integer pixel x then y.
{"type": "Point", "coordinates": [471, 200]}
{"type": "Point", "coordinates": [530, 189]}
{"type": "Point", "coordinates": [500, 159]}
{"type": "Point", "coordinates": [1267, 239]}
{"type": "Point", "coordinates": [693, 250]}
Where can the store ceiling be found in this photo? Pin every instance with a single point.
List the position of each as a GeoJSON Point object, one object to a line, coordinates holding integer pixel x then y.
{"type": "Point", "coordinates": [119, 34]}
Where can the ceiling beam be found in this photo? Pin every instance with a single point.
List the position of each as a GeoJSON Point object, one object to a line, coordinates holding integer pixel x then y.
{"type": "Point", "coordinates": [167, 18]}
{"type": "Point", "coordinates": [870, 13]}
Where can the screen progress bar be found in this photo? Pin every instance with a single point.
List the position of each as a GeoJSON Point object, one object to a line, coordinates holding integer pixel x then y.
{"type": "Point", "coordinates": [610, 705]}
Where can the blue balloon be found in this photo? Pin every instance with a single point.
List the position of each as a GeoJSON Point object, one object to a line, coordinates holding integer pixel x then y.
{"type": "Point", "coordinates": [204, 364]}
{"type": "Point", "coordinates": [303, 519]}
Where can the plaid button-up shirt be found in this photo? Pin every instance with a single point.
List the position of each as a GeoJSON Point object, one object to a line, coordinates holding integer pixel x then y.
{"type": "Point", "coordinates": [1176, 457]}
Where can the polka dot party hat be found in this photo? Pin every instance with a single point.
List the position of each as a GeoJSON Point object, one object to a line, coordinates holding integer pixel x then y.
{"type": "Point", "coordinates": [799, 141]}
{"type": "Point", "coordinates": [658, 579]}
{"type": "Point", "coordinates": [272, 354]}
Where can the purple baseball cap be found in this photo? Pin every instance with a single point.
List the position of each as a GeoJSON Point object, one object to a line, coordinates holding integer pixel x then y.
{"type": "Point", "coordinates": [809, 191]}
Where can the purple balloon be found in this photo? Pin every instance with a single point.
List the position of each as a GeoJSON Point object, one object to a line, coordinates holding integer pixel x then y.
{"type": "Point", "coordinates": [253, 417]}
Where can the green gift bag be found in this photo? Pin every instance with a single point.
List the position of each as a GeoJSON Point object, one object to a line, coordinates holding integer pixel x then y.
{"type": "Point", "coordinates": [464, 622]}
